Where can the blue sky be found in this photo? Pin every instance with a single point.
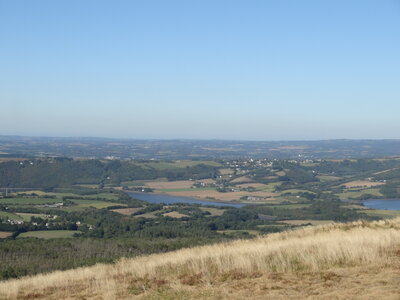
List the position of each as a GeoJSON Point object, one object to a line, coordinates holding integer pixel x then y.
{"type": "Point", "coordinates": [253, 70]}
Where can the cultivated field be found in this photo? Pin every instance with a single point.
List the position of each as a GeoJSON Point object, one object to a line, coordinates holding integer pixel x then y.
{"type": "Point", "coordinates": [254, 185]}
{"type": "Point", "coordinates": [358, 193]}
{"type": "Point", "coordinates": [175, 214]}
{"type": "Point", "coordinates": [242, 179]}
{"type": "Point", "coordinates": [228, 196]}
{"type": "Point", "coordinates": [358, 260]}
{"type": "Point", "coordinates": [158, 185]}
{"type": "Point", "coordinates": [362, 183]}
{"type": "Point", "coordinates": [27, 216]}
{"type": "Point", "coordinates": [127, 211]}
{"type": "Point", "coordinates": [80, 204]}
{"type": "Point", "coordinates": [29, 201]}
{"type": "Point", "coordinates": [7, 215]}
{"type": "Point", "coordinates": [49, 234]}
{"type": "Point", "coordinates": [183, 189]}
{"type": "Point", "coordinates": [213, 211]}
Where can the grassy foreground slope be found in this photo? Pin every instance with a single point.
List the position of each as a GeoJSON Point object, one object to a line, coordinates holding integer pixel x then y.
{"type": "Point", "coordinates": [359, 260]}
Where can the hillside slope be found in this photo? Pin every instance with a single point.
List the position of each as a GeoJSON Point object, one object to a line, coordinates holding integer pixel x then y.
{"type": "Point", "coordinates": [359, 260]}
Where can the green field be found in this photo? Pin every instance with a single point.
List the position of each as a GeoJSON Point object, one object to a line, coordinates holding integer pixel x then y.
{"type": "Point", "coordinates": [359, 193]}
{"type": "Point", "coordinates": [132, 183]}
{"type": "Point", "coordinates": [4, 215]}
{"type": "Point", "coordinates": [27, 216]}
{"type": "Point", "coordinates": [28, 201]}
{"type": "Point", "coordinates": [49, 234]}
{"type": "Point", "coordinates": [270, 187]}
{"type": "Point", "coordinates": [382, 213]}
{"type": "Point", "coordinates": [213, 211]}
{"type": "Point", "coordinates": [81, 204]}
{"type": "Point", "coordinates": [60, 195]}
{"type": "Point", "coordinates": [291, 206]}
{"type": "Point", "coordinates": [328, 178]}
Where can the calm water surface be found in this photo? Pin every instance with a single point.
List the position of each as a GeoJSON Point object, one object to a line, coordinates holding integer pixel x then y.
{"type": "Point", "coordinates": [388, 204]}
{"type": "Point", "coordinates": [167, 199]}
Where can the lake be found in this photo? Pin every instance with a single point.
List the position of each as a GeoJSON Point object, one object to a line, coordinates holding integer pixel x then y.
{"type": "Point", "coordinates": [387, 204]}
{"type": "Point", "coordinates": [167, 199]}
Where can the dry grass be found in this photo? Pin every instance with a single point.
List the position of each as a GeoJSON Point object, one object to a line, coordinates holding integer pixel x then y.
{"type": "Point", "coordinates": [358, 260]}
{"type": "Point", "coordinates": [242, 179]}
{"type": "Point", "coordinates": [162, 185]}
{"type": "Point", "coordinates": [226, 171]}
{"type": "Point", "coordinates": [328, 178]}
{"type": "Point", "coordinates": [5, 234]}
{"type": "Point", "coordinates": [4, 159]}
{"type": "Point", "coordinates": [229, 196]}
{"type": "Point", "coordinates": [175, 214]}
{"type": "Point", "coordinates": [362, 183]}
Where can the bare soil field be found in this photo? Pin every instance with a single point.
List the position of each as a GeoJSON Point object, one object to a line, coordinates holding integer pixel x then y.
{"type": "Point", "coordinates": [126, 211]}
{"type": "Point", "coordinates": [362, 183]}
{"type": "Point", "coordinates": [4, 159]}
{"type": "Point", "coordinates": [328, 177]}
{"type": "Point", "coordinates": [207, 180]}
{"type": "Point", "coordinates": [175, 214]}
{"type": "Point", "coordinates": [242, 179]}
{"type": "Point", "coordinates": [229, 196]}
{"type": "Point", "coordinates": [226, 171]}
{"type": "Point", "coordinates": [5, 234]}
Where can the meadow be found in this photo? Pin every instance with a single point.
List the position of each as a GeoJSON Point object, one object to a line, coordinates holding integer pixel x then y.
{"type": "Point", "coordinates": [357, 260]}
{"type": "Point", "coordinates": [49, 234]}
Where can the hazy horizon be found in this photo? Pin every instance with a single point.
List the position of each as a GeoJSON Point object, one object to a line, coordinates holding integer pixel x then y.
{"type": "Point", "coordinates": [226, 70]}
{"type": "Point", "coordinates": [193, 139]}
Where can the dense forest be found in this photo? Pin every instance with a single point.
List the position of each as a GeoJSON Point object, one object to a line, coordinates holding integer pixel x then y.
{"type": "Point", "coordinates": [64, 172]}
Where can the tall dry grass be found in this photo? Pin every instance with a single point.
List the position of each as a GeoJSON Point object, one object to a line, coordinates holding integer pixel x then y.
{"type": "Point", "coordinates": [305, 250]}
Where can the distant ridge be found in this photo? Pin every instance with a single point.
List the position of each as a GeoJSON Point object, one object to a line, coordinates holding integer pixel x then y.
{"type": "Point", "coordinates": [89, 147]}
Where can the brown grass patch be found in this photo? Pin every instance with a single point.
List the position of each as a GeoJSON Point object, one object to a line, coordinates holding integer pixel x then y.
{"type": "Point", "coordinates": [226, 171]}
{"type": "Point", "coordinates": [5, 159]}
{"type": "Point", "coordinates": [215, 195]}
{"type": "Point", "coordinates": [175, 214]}
{"type": "Point", "coordinates": [127, 211]}
{"type": "Point", "coordinates": [207, 180]}
{"type": "Point", "coordinates": [362, 183]}
{"type": "Point", "coordinates": [5, 234]}
{"type": "Point", "coordinates": [242, 179]}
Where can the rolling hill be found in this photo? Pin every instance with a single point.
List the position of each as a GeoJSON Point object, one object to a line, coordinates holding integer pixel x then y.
{"type": "Point", "coordinates": [359, 260]}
